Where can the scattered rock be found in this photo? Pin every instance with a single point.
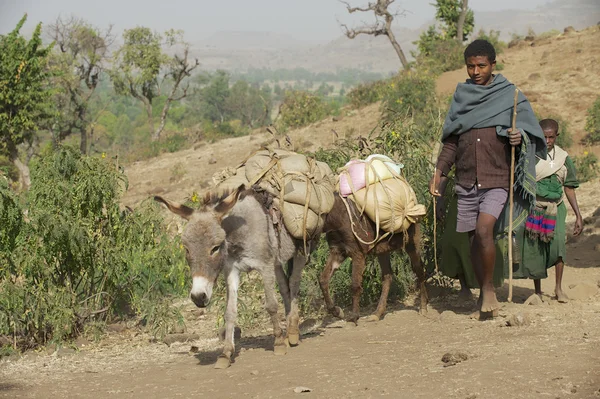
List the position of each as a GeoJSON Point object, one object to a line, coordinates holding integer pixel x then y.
{"type": "Point", "coordinates": [194, 349]}
{"type": "Point", "coordinates": [307, 325]}
{"type": "Point", "coordinates": [582, 291]}
{"type": "Point", "coordinates": [212, 161]}
{"type": "Point", "coordinates": [534, 76]}
{"type": "Point", "coordinates": [518, 320]}
{"type": "Point", "coordinates": [569, 29]}
{"type": "Point", "coordinates": [254, 372]}
{"type": "Point", "coordinates": [452, 358]}
{"type": "Point", "coordinates": [81, 342]}
{"type": "Point", "coordinates": [534, 300]}
{"type": "Point", "coordinates": [302, 389]}
{"type": "Point", "coordinates": [172, 338]}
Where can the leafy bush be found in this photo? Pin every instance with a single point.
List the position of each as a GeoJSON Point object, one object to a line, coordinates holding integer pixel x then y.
{"type": "Point", "coordinates": [409, 94]}
{"type": "Point", "coordinates": [438, 54]}
{"type": "Point", "coordinates": [78, 258]}
{"type": "Point", "coordinates": [366, 93]}
{"type": "Point", "coordinates": [592, 123]}
{"type": "Point", "coordinates": [300, 108]}
{"type": "Point", "coordinates": [587, 166]}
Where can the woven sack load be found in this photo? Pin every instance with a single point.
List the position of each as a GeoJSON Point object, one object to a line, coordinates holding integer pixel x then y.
{"type": "Point", "coordinates": [303, 188]}
{"type": "Point", "coordinates": [385, 196]}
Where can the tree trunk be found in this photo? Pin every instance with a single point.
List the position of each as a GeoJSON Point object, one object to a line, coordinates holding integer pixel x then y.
{"type": "Point", "coordinates": [398, 49]}
{"type": "Point", "coordinates": [151, 121]}
{"type": "Point", "coordinates": [83, 144]}
{"type": "Point", "coordinates": [163, 120]}
{"type": "Point", "coordinates": [461, 21]}
{"type": "Point", "coordinates": [24, 176]}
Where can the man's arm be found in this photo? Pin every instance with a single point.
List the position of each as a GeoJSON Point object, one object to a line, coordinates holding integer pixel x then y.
{"type": "Point", "coordinates": [444, 164]}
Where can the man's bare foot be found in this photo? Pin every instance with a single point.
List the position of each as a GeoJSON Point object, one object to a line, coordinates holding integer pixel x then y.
{"type": "Point", "coordinates": [488, 301]}
{"type": "Point", "coordinates": [561, 297]}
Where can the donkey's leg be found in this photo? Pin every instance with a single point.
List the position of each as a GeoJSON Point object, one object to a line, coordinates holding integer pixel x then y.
{"type": "Point", "coordinates": [412, 248]}
{"type": "Point", "coordinates": [386, 283]}
{"type": "Point", "coordinates": [268, 276]}
{"type": "Point", "coordinates": [358, 268]}
{"type": "Point", "coordinates": [334, 261]}
{"type": "Point", "coordinates": [233, 282]}
{"type": "Point", "coordinates": [284, 287]}
{"type": "Point", "coordinates": [293, 319]}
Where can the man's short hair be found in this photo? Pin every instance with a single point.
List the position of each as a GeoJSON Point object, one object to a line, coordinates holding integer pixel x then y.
{"type": "Point", "coordinates": [549, 124]}
{"type": "Point", "coordinates": [480, 47]}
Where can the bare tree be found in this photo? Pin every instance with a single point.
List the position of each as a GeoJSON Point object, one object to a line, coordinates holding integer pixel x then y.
{"type": "Point", "coordinates": [461, 20]}
{"type": "Point", "coordinates": [81, 52]}
{"type": "Point", "coordinates": [382, 25]}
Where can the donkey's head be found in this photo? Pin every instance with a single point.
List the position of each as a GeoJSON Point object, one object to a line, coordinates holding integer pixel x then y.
{"type": "Point", "coordinates": [204, 240]}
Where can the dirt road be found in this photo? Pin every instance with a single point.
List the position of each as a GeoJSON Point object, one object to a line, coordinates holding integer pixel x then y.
{"type": "Point", "coordinates": [556, 356]}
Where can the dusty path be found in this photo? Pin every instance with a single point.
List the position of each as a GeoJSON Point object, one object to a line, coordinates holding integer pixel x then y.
{"type": "Point", "coordinates": [556, 356]}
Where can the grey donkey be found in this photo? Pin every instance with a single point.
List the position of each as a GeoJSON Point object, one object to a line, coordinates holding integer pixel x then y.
{"type": "Point", "coordinates": [234, 233]}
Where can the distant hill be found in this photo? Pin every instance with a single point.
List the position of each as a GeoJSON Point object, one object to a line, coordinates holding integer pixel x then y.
{"type": "Point", "coordinates": [242, 50]}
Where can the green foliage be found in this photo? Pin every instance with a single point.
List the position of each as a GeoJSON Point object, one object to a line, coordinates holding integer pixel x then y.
{"type": "Point", "coordinates": [78, 258]}
{"type": "Point", "coordinates": [80, 53]}
{"type": "Point", "coordinates": [587, 166]}
{"type": "Point", "coordinates": [409, 94]}
{"type": "Point", "coordinates": [437, 54]}
{"type": "Point", "coordinates": [300, 108]}
{"type": "Point", "coordinates": [447, 12]}
{"type": "Point", "coordinates": [592, 123]}
{"type": "Point", "coordinates": [24, 94]}
{"type": "Point", "coordinates": [366, 93]}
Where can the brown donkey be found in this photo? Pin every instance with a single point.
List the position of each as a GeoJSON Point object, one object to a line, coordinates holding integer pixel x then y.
{"type": "Point", "coordinates": [343, 244]}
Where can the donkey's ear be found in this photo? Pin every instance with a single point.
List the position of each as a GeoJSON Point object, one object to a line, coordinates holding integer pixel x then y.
{"type": "Point", "coordinates": [226, 205]}
{"type": "Point", "coordinates": [178, 209]}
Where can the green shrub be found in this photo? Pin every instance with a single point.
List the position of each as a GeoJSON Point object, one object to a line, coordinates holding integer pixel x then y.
{"type": "Point", "coordinates": [592, 123]}
{"type": "Point", "coordinates": [587, 166]}
{"type": "Point", "coordinates": [441, 55]}
{"type": "Point", "coordinates": [300, 108]}
{"type": "Point", "coordinates": [409, 94]}
{"type": "Point", "coordinates": [366, 93]}
{"type": "Point", "coordinates": [78, 258]}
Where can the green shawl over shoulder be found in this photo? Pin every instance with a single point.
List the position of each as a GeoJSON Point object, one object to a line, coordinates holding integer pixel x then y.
{"type": "Point", "coordinates": [476, 106]}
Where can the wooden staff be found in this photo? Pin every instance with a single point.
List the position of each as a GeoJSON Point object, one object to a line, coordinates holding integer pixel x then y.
{"type": "Point", "coordinates": [511, 200]}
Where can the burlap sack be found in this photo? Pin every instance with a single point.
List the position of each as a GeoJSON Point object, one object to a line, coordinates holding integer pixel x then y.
{"type": "Point", "coordinates": [392, 203]}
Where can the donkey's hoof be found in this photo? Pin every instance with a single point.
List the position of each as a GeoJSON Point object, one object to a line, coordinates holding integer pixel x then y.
{"type": "Point", "coordinates": [280, 350]}
{"type": "Point", "coordinates": [222, 363]}
{"type": "Point", "coordinates": [372, 318]}
{"type": "Point", "coordinates": [338, 312]}
{"type": "Point", "coordinates": [293, 339]}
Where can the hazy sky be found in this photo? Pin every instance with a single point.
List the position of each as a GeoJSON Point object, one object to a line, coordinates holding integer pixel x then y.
{"type": "Point", "coordinates": [314, 20]}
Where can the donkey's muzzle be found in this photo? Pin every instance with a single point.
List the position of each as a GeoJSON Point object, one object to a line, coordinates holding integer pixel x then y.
{"type": "Point", "coordinates": [200, 299]}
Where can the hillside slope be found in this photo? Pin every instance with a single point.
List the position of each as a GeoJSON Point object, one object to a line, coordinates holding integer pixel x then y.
{"type": "Point", "coordinates": [560, 75]}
